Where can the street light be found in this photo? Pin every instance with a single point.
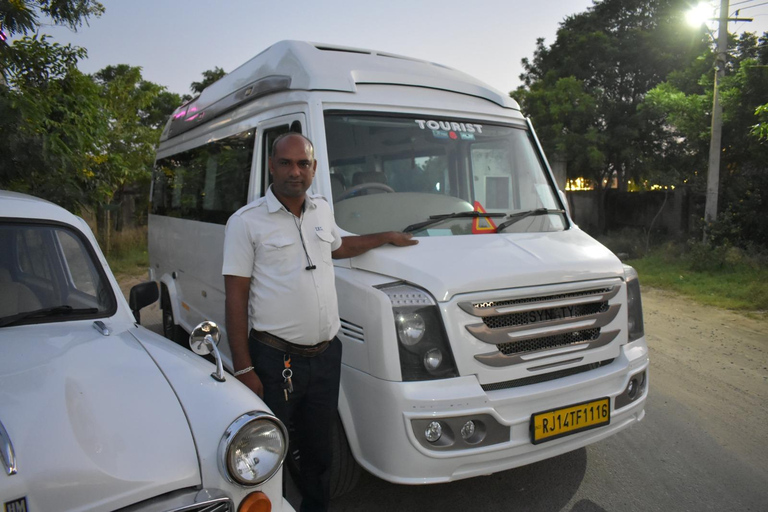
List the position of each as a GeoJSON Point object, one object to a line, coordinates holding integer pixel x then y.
{"type": "Point", "coordinates": [699, 15]}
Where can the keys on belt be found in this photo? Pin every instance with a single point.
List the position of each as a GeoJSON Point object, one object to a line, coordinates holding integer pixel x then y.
{"type": "Point", "coordinates": [287, 374]}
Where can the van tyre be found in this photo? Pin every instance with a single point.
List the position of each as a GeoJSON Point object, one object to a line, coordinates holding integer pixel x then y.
{"type": "Point", "coordinates": [345, 471]}
{"type": "Point", "coordinates": [171, 329]}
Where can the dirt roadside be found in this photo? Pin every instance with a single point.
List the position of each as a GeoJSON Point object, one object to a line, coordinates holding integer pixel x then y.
{"type": "Point", "coordinates": [710, 365]}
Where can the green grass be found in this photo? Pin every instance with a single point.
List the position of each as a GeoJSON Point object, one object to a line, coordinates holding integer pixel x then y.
{"type": "Point", "coordinates": [127, 253]}
{"type": "Point", "coordinates": [728, 280]}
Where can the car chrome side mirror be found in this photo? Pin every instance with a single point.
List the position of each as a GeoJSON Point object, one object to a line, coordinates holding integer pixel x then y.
{"type": "Point", "coordinates": [203, 341]}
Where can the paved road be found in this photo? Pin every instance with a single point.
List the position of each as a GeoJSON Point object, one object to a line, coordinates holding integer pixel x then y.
{"type": "Point", "coordinates": [703, 445]}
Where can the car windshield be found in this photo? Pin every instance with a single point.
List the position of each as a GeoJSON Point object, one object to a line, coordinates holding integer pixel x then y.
{"type": "Point", "coordinates": [427, 175]}
{"type": "Point", "coordinates": [50, 273]}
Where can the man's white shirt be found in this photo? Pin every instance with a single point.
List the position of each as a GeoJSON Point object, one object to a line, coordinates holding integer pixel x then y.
{"type": "Point", "coordinates": [263, 242]}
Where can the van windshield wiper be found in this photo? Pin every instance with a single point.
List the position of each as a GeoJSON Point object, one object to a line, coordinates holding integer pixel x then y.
{"type": "Point", "coordinates": [435, 219]}
{"type": "Point", "coordinates": [46, 312]}
{"type": "Point", "coordinates": [514, 217]}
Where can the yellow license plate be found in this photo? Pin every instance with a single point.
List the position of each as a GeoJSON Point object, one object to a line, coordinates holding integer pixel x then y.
{"type": "Point", "coordinates": [549, 425]}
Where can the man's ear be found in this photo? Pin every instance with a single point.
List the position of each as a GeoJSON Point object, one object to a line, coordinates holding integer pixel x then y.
{"type": "Point", "coordinates": [269, 166]}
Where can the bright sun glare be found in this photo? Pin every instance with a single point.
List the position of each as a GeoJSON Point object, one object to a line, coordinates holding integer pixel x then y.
{"type": "Point", "coordinates": [699, 14]}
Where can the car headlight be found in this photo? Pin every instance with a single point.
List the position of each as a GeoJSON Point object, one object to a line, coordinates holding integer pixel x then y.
{"type": "Point", "coordinates": [635, 325]}
{"type": "Point", "coordinates": [253, 448]}
{"type": "Point", "coordinates": [425, 353]}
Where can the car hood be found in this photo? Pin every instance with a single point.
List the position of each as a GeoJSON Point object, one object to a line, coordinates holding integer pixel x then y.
{"type": "Point", "coordinates": [451, 265]}
{"type": "Point", "coordinates": [91, 418]}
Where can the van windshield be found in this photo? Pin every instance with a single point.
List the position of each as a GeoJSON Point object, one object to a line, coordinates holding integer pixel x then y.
{"type": "Point", "coordinates": [396, 172]}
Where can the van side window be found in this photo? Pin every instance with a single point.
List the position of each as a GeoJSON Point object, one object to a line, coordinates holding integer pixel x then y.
{"type": "Point", "coordinates": [208, 183]}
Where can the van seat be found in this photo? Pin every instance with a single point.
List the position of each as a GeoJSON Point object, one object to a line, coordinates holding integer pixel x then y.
{"type": "Point", "coordinates": [368, 177]}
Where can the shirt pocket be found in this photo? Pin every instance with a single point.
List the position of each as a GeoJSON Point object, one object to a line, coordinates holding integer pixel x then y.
{"type": "Point", "coordinates": [326, 240]}
{"type": "Point", "coordinates": [278, 256]}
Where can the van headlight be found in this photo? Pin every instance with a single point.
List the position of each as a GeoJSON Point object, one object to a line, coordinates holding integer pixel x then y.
{"type": "Point", "coordinates": [635, 325]}
{"type": "Point", "coordinates": [253, 448]}
{"type": "Point", "coordinates": [425, 353]}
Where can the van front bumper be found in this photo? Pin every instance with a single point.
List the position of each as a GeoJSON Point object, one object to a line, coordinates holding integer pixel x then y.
{"type": "Point", "coordinates": [387, 435]}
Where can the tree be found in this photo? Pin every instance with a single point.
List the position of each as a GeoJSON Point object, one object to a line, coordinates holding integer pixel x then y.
{"type": "Point", "coordinates": [51, 125]}
{"type": "Point", "coordinates": [744, 159]}
{"type": "Point", "coordinates": [135, 110]}
{"type": "Point", "coordinates": [209, 76]}
{"type": "Point", "coordinates": [585, 92]}
{"type": "Point", "coordinates": [23, 16]}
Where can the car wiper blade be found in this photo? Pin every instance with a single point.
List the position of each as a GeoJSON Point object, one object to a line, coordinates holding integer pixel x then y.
{"type": "Point", "coordinates": [434, 219]}
{"type": "Point", "coordinates": [514, 217]}
{"type": "Point", "coordinates": [46, 312]}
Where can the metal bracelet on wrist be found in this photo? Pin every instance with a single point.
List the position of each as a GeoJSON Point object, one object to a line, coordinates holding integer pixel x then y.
{"type": "Point", "coordinates": [243, 371]}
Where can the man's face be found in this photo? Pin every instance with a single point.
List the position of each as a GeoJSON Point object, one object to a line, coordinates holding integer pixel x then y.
{"type": "Point", "coordinates": [292, 167]}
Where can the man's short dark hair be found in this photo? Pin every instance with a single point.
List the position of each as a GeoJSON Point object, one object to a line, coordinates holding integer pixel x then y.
{"type": "Point", "coordinates": [285, 136]}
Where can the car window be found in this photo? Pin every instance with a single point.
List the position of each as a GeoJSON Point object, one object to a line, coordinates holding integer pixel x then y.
{"type": "Point", "coordinates": [50, 273]}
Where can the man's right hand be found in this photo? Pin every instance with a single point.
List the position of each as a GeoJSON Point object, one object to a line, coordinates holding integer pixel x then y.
{"type": "Point", "coordinates": [253, 382]}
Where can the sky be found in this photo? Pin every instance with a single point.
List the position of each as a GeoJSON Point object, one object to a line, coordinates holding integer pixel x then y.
{"type": "Point", "coordinates": [174, 41]}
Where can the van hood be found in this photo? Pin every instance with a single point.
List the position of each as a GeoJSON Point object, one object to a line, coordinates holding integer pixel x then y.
{"type": "Point", "coordinates": [451, 265]}
{"type": "Point", "coordinates": [91, 418]}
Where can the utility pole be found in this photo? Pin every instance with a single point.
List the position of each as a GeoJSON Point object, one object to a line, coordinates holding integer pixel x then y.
{"type": "Point", "coordinates": [715, 141]}
{"type": "Point", "coordinates": [713, 175]}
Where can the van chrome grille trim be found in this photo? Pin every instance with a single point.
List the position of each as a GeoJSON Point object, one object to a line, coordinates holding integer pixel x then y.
{"type": "Point", "coordinates": [494, 308]}
{"type": "Point", "coordinates": [498, 359]}
{"type": "Point", "coordinates": [529, 328]}
{"type": "Point", "coordinates": [535, 379]}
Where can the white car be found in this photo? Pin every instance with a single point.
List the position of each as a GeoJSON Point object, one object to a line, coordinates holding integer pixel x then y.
{"type": "Point", "coordinates": [98, 413]}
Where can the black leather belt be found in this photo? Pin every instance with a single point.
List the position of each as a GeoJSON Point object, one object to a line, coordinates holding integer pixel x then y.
{"type": "Point", "coordinates": [289, 348]}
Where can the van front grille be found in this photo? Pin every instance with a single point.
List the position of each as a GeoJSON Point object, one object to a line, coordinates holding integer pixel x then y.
{"type": "Point", "coordinates": [521, 327]}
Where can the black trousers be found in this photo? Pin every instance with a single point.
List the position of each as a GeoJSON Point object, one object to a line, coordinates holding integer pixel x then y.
{"type": "Point", "coordinates": [311, 409]}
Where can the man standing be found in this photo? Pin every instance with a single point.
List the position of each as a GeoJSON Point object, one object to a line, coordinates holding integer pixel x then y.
{"type": "Point", "coordinates": [281, 308]}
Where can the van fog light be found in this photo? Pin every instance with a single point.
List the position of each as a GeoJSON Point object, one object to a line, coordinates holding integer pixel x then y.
{"type": "Point", "coordinates": [410, 328]}
{"type": "Point", "coordinates": [634, 390]}
{"type": "Point", "coordinates": [433, 359]}
{"type": "Point", "coordinates": [468, 430]}
{"type": "Point", "coordinates": [433, 431]}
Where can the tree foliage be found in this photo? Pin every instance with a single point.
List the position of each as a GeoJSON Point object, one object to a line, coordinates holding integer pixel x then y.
{"type": "Point", "coordinates": [744, 156]}
{"type": "Point", "coordinates": [585, 92]}
{"type": "Point", "coordinates": [23, 16]}
{"type": "Point", "coordinates": [133, 108]}
{"type": "Point", "coordinates": [76, 140]}
{"type": "Point", "coordinates": [609, 57]}
{"type": "Point", "coordinates": [51, 124]}
{"type": "Point", "coordinates": [209, 76]}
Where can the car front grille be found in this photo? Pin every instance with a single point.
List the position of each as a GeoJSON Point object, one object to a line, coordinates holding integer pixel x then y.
{"type": "Point", "coordinates": [185, 500]}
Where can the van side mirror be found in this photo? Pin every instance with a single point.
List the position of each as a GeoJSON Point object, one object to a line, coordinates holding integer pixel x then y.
{"type": "Point", "coordinates": [142, 295]}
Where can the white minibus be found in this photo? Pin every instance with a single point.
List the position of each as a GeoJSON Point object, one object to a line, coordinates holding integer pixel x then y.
{"type": "Point", "coordinates": [506, 336]}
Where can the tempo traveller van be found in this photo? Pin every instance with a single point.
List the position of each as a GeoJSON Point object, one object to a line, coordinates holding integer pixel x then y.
{"type": "Point", "coordinates": [506, 336]}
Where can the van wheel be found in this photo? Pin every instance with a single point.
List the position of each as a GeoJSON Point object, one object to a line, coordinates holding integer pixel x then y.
{"type": "Point", "coordinates": [171, 329]}
{"type": "Point", "coordinates": [345, 471]}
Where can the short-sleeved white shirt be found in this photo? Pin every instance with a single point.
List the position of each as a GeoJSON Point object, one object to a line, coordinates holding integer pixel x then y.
{"type": "Point", "coordinates": [262, 242]}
